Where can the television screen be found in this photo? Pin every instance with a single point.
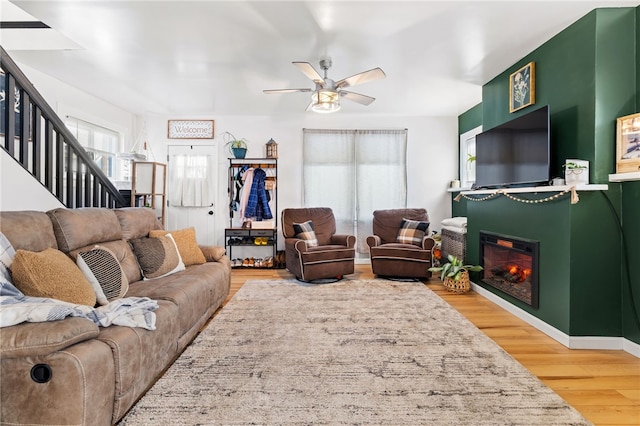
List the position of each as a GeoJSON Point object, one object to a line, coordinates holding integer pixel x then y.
{"type": "Point", "coordinates": [515, 153]}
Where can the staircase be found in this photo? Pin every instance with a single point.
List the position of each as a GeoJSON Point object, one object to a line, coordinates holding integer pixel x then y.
{"type": "Point", "coordinates": [33, 134]}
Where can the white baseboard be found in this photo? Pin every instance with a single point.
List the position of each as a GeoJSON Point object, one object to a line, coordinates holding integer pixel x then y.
{"type": "Point", "coordinates": [571, 342]}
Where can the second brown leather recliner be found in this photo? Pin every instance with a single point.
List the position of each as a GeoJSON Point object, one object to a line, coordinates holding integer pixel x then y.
{"type": "Point", "coordinates": [400, 246]}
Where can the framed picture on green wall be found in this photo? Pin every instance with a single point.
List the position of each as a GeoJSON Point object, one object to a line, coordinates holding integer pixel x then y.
{"type": "Point", "coordinates": [522, 88]}
{"type": "Point", "coordinates": [628, 144]}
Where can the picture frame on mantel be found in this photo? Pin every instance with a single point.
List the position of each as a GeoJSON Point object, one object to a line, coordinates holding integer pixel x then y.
{"type": "Point", "coordinates": [190, 129]}
{"type": "Point", "coordinates": [628, 144]}
{"type": "Point", "coordinates": [522, 87]}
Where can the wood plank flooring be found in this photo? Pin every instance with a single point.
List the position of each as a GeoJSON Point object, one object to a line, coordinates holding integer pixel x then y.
{"type": "Point", "coordinates": [603, 385]}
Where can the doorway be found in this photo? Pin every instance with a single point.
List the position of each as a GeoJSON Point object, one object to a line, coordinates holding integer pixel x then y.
{"type": "Point", "coordinates": [191, 184]}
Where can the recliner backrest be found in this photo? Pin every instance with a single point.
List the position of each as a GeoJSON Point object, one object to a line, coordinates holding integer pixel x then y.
{"type": "Point", "coordinates": [386, 223]}
{"type": "Point", "coordinates": [324, 222]}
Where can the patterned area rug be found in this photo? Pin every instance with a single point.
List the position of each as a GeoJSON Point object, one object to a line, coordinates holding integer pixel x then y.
{"type": "Point", "coordinates": [352, 352]}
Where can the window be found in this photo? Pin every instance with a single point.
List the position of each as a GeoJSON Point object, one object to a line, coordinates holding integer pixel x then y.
{"type": "Point", "coordinates": [101, 144]}
{"type": "Point", "coordinates": [468, 157]}
{"type": "Point", "coordinates": [355, 172]}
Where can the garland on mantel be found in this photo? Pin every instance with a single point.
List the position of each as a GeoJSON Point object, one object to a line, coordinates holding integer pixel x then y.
{"type": "Point", "coordinates": [572, 190]}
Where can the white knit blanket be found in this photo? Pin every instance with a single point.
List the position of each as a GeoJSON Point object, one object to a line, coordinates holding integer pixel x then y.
{"type": "Point", "coordinates": [16, 308]}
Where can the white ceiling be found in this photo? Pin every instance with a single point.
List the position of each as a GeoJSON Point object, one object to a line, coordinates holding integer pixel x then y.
{"type": "Point", "coordinates": [216, 57]}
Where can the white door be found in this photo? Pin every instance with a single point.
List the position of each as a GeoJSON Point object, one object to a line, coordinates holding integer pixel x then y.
{"type": "Point", "coordinates": [191, 184]}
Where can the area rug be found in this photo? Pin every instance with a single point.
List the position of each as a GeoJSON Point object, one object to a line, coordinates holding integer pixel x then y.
{"type": "Point", "coordinates": [369, 352]}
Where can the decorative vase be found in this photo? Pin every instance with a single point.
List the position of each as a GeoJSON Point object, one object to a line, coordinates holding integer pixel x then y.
{"type": "Point", "coordinates": [462, 285]}
{"type": "Point", "coordinates": [239, 152]}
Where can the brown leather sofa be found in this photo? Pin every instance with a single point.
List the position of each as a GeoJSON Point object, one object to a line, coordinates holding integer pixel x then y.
{"type": "Point", "coordinates": [392, 259]}
{"type": "Point", "coordinates": [97, 374]}
{"type": "Point", "coordinates": [332, 258]}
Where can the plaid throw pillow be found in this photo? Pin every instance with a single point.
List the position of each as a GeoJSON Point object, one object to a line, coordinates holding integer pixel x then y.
{"type": "Point", "coordinates": [305, 231]}
{"type": "Point", "coordinates": [412, 232]}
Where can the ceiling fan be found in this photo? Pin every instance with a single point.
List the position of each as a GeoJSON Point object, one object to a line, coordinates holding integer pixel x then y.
{"type": "Point", "coordinates": [327, 93]}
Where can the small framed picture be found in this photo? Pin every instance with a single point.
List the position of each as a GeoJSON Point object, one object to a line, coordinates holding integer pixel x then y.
{"type": "Point", "coordinates": [522, 88]}
{"type": "Point", "coordinates": [190, 129]}
{"type": "Point", "coordinates": [628, 144]}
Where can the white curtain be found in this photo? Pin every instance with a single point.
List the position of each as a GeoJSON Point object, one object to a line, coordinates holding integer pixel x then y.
{"type": "Point", "coordinates": [189, 183]}
{"type": "Point", "coordinates": [355, 172]}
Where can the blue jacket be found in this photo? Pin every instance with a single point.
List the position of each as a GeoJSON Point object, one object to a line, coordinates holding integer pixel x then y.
{"type": "Point", "coordinates": [258, 203]}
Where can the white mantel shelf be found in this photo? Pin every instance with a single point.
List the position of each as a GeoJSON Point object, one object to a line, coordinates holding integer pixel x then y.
{"type": "Point", "coordinates": [622, 177]}
{"type": "Point", "coordinates": [551, 188]}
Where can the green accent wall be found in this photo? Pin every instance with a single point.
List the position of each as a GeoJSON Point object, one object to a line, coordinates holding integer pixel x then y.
{"type": "Point", "coordinates": [470, 119]}
{"type": "Point", "coordinates": [588, 74]}
{"type": "Point", "coordinates": [631, 283]}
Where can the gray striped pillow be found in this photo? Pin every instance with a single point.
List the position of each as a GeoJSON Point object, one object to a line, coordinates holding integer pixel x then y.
{"type": "Point", "coordinates": [105, 274]}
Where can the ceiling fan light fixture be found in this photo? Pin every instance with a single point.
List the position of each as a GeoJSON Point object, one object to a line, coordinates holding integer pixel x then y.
{"type": "Point", "coordinates": [325, 101]}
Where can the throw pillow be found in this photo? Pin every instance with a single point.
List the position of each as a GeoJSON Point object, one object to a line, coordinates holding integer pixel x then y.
{"type": "Point", "coordinates": [305, 231]}
{"type": "Point", "coordinates": [187, 245]}
{"type": "Point", "coordinates": [7, 253]}
{"type": "Point", "coordinates": [52, 274]}
{"type": "Point", "coordinates": [412, 231]}
{"type": "Point", "coordinates": [101, 267]}
{"type": "Point", "coordinates": [157, 257]}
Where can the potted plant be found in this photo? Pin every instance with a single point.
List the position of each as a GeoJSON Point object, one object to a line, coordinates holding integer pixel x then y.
{"type": "Point", "coordinates": [455, 274]}
{"type": "Point", "coordinates": [576, 171]}
{"type": "Point", "coordinates": [237, 147]}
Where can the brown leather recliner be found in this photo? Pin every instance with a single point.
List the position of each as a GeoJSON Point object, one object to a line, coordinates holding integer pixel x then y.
{"type": "Point", "coordinates": [392, 259]}
{"type": "Point", "coordinates": [332, 258]}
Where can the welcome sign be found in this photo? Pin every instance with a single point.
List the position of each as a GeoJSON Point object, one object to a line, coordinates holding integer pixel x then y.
{"type": "Point", "coordinates": [190, 129]}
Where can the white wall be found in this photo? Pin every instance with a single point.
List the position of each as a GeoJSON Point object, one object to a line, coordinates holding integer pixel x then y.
{"type": "Point", "coordinates": [19, 191]}
{"type": "Point", "coordinates": [432, 153]}
{"type": "Point", "coordinates": [432, 145]}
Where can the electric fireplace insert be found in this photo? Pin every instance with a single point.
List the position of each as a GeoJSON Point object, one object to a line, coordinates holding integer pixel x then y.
{"type": "Point", "coordinates": [510, 265]}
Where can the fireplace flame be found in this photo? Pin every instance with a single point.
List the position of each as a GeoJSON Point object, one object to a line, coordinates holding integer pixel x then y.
{"type": "Point", "coordinates": [512, 273]}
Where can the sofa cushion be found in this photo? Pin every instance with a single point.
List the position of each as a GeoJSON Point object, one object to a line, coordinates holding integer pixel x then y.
{"type": "Point", "coordinates": [28, 230]}
{"type": "Point", "coordinates": [187, 245]}
{"type": "Point", "coordinates": [213, 253]}
{"type": "Point", "coordinates": [52, 274]}
{"type": "Point", "coordinates": [75, 228]}
{"type": "Point", "coordinates": [305, 231]}
{"type": "Point", "coordinates": [158, 256]}
{"type": "Point", "coordinates": [137, 222]}
{"type": "Point", "coordinates": [412, 232]}
{"type": "Point", "coordinates": [122, 250]}
{"type": "Point", "coordinates": [103, 271]}
{"type": "Point", "coordinates": [41, 338]}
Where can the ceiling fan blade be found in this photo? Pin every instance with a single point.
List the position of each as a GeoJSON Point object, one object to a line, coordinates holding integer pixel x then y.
{"type": "Point", "coordinates": [309, 71]}
{"type": "Point", "coordinates": [357, 97]}
{"type": "Point", "coordinates": [363, 77]}
{"type": "Point", "coordinates": [269, 91]}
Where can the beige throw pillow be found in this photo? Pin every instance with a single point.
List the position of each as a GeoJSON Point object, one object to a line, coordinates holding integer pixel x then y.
{"type": "Point", "coordinates": [187, 245]}
{"type": "Point", "coordinates": [52, 274]}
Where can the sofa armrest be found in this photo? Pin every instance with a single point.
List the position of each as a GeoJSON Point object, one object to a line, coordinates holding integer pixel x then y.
{"type": "Point", "coordinates": [41, 338]}
{"type": "Point", "coordinates": [374, 241]}
{"type": "Point", "coordinates": [213, 253]}
{"type": "Point", "coordinates": [343, 240]}
{"type": "Point", "coordinates": [428, 243]}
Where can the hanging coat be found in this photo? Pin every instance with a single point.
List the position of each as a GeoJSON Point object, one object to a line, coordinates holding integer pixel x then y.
{"type": "Point", "coordinates": [258, 202]}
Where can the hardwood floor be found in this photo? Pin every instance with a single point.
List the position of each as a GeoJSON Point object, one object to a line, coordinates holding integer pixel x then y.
{"type": "Point", "coordinates": [603, 385]}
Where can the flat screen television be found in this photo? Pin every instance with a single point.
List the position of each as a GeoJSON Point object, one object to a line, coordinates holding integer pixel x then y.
{"type": "Point", "coordinates": [516, 153]}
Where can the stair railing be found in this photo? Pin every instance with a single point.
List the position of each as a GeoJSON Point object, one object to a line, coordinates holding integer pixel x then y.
{"type": "Point", "coordinates": [34, 135]}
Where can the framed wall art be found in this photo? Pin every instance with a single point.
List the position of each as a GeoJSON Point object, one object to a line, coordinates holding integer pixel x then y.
{"type": "Point", "coordinates": [190, 129]}
{"type": "Point", "coordinates": [628, 144]}
{"type": "Point", "coordinates": [522, 88]}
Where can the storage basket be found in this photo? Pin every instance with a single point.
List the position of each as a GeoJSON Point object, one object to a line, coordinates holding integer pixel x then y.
{"type": "Point", "coordinates": [463, 285]}
{"type": "Point", "coordinates": [454, 243]}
